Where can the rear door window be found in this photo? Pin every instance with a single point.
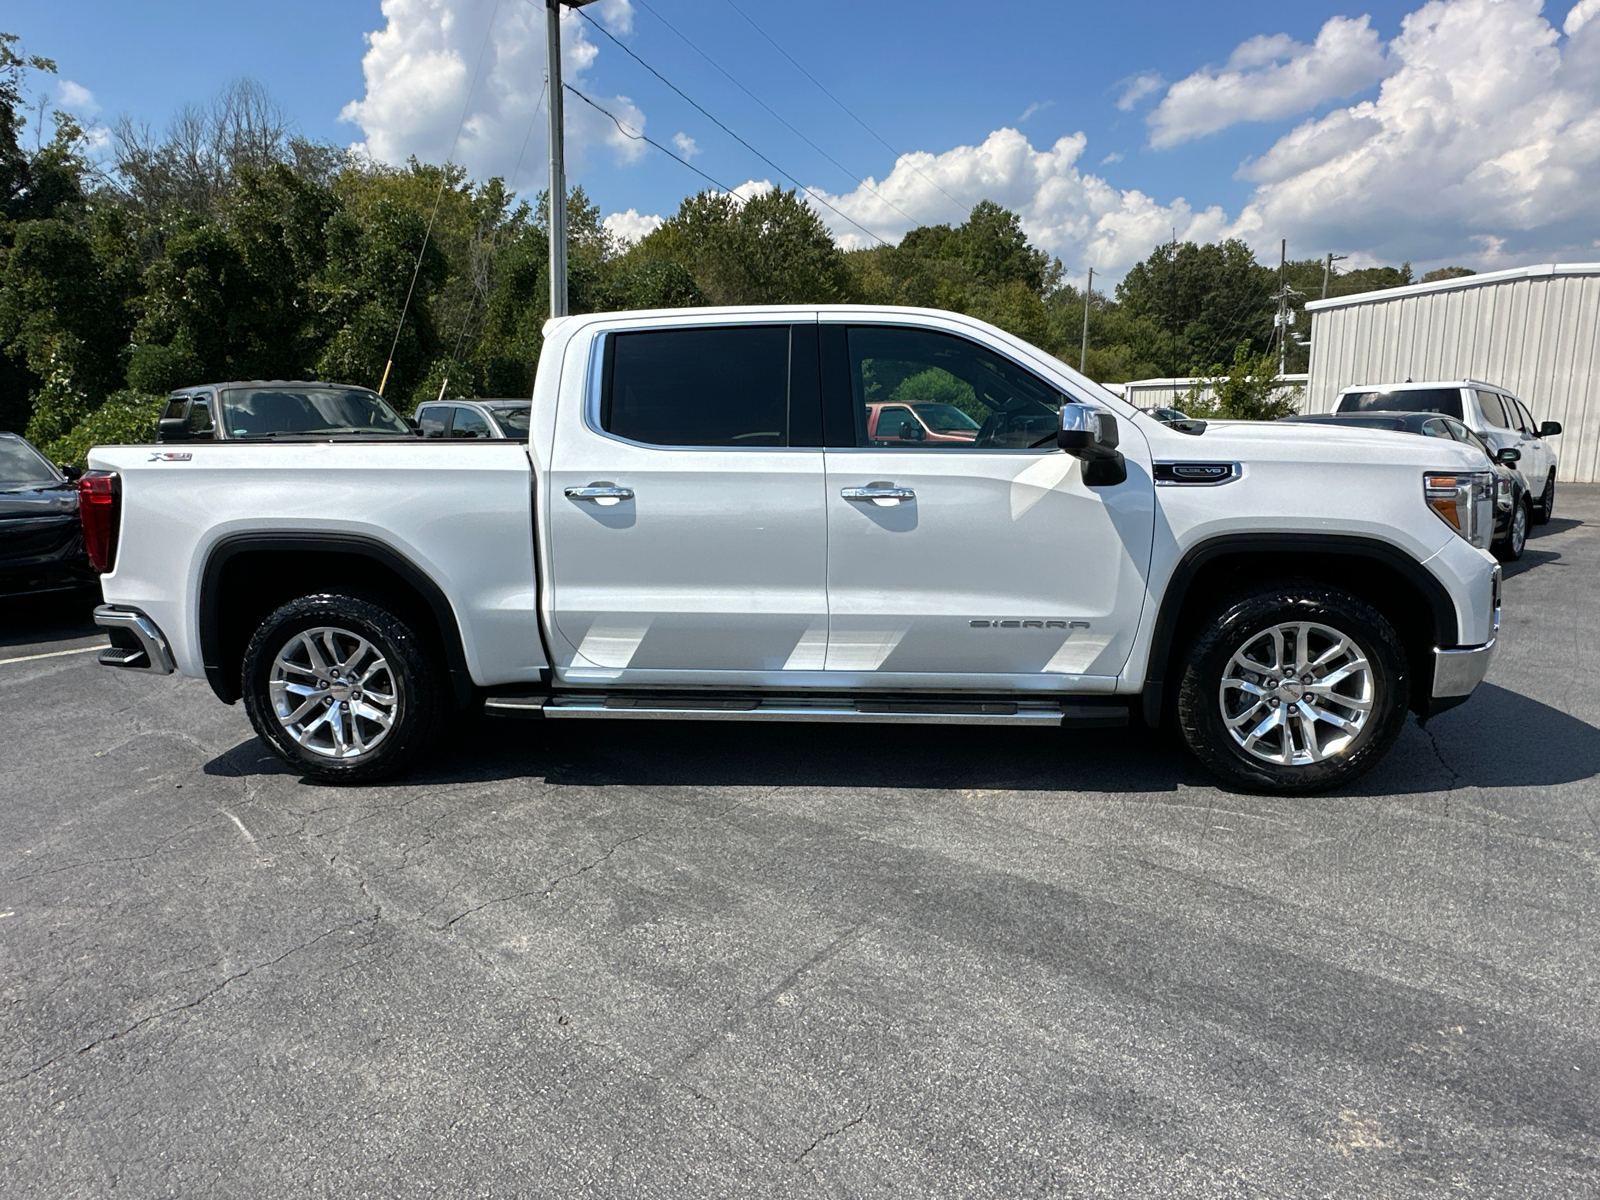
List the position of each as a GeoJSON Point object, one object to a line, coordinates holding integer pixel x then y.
{"type": "Point", "coordinates": [469, 423]}
{"type": "Point", "coordinates": [1493, 413]}
{"type": "Point", "coordinates": [1437, 400]}
{"type": "Point", "coordinates": [720, 386]}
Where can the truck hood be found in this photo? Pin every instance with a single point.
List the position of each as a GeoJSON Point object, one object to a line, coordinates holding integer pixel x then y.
{"type": "Point", "coordinates": [1284, 441]}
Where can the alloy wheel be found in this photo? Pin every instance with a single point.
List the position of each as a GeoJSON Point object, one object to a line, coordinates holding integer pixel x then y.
{"type": "Point", "coordinates": [1297, 693]}
{"type": "Point", "coordinates": [334, 693]}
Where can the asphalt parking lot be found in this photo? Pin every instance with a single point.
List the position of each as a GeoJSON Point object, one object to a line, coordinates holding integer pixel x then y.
{"type": "Point", "coordinates": [698, 960]}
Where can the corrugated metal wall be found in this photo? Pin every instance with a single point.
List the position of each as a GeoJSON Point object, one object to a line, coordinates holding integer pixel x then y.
{"type": "Point", "coordinates": [1537, 334]}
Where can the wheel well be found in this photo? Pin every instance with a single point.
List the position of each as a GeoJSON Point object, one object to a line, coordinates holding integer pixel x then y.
{"type": "Point", "coordinates": [1411, 601]}
{"type": "Point", "coordinates": [247, 579]}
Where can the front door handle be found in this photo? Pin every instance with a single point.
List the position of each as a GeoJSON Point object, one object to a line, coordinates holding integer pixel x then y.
{"type": "Point", "coordinates": [879, 494]}
{"type": "Point", "coordinates": [600, 493]}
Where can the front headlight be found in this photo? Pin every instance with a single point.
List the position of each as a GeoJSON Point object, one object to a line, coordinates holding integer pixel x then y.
{"type": "Point", "coordinates": [1462, 502]}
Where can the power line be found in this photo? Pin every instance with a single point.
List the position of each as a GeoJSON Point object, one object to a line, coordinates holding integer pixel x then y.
{"type": "Point", "coordinates": [848, 172]}
{"type": "Point", "coordinates": [846, 108]}
{"type": "Point", "coordinates": [685, 96]}
{"type": "Point", "coordinates": [639, 137]}
{"type": "Point", "coordinates": [444, 177]}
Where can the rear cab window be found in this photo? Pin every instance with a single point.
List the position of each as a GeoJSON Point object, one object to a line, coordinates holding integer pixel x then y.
{"type": "Point", "coordinates": [1493, 413]}
{"type": "Point", "coordinates": [718, 386]}
{"type": "Point", "coordinates": [1446, 401]}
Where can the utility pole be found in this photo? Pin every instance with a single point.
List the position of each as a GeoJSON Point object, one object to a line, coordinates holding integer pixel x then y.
{"type": "Point", "coordinates": [1284, 318]}
{"type": "Point", "coordinates": [1327, 270]}
{"type": "Point", "coordinates": [558, 167]}
{"type": "Point", "coordinates": [1088, 296]}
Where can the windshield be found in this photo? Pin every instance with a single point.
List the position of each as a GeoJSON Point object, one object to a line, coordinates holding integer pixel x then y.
{"type": "Point", "coordinates": [1434, 400]}
{"type": "Point", "coordinates": [270, 412]}
{"type": "Point", "coordinates": [21, 463]}
{"type": "Point", "coordinates": [946, 418]}
{"type": "Point", "coordinates": [513, 419]}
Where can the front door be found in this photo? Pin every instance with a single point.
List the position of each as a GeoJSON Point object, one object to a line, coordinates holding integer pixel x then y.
{"type": "Point", "coordinates": [983, 560]}
{"type": "Point", "coordinates": [688, 539]}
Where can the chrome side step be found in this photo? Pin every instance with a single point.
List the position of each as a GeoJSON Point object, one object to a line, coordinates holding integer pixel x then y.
{"type": "Point", "coordinates": [943, 711]}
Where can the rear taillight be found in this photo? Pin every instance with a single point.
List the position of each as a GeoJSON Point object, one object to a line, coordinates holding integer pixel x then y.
{"type": "Point", "coordinates": [97, 511]}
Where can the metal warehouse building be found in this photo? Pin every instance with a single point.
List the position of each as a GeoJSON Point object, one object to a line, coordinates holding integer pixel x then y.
{"type": "Point", "coordinates": [1533, 330]}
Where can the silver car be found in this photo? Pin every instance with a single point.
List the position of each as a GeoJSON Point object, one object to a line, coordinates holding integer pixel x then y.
{"type": "Point", "coordinates": [505, 419]}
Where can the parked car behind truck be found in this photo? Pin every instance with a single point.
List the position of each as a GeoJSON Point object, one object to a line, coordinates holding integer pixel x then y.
{"type": "Point", "coordinates": [504, 418]}
{"type": "Point", "coordinates": [1487, 409]}
{"type": "Point", "coordinates": [41, 542]}
{"type": "Point", "coordinates": [703, 526]}
{"type": "Point", "coordinates": [261, 409]}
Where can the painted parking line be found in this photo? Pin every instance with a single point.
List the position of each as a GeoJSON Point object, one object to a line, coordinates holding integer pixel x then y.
{"type": "Point", "coordinates": [51, 654]}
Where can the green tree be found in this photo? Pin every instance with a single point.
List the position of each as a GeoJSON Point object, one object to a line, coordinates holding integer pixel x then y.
{"type": "Point", "coordinates": [1248, 389]}
{"type": "Point", "coordinates": [770, 249]}
{"type": "Point", "coordinates": [1204, 298]}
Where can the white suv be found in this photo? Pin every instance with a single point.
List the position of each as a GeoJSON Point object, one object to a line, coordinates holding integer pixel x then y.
{"type": "Point", "coordinates": [1490, 411]}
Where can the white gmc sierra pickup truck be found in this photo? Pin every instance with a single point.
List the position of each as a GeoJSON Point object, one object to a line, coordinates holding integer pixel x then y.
{"type": "Point", "coordinates": [702, 525]}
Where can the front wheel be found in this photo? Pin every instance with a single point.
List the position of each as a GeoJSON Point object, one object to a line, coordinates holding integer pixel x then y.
{"type": "Point", "coordinates": [341, 689]}
{"type": "Point", "coordinates": [1510, 547]}
{"type": "Point", "coordinates": [1296, 688]}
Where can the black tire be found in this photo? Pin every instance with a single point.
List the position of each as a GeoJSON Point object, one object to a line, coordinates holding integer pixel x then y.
{"type": "Point", "coordinates": [1547, 502]}
{"type": "Point", "coordinates": [1510, 547]}
{"type": "Point", "coordinates": [409, 688]}
{"type": "Point", "coordinates": [1238, 626]}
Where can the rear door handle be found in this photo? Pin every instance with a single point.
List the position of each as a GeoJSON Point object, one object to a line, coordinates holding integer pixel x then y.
{"type": "Point", "coordinates": [879, 494]}
{"type": "Point", "coordinates": [600, 493]}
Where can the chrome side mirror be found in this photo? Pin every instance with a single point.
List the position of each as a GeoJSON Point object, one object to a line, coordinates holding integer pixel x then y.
{"type": "Point", "coordinates": [1090, 434]}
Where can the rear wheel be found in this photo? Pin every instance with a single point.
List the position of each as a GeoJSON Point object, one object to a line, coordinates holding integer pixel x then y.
{"type": "Point", "coordinates": [1293, 689]}
{"type": "Point", "coordinates": [341, 689]}
{"type": "Point", "coordinates": [1547, 501]}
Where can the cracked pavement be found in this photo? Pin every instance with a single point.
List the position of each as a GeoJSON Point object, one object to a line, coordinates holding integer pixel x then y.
{"type": "Point", "coordinates": [711, 960]}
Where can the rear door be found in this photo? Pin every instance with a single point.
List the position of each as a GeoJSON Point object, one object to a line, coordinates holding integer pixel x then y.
{"type": "Point", "coordinates": [1535, 448]}
{"type": "Point", "coordinates": [982, 563]}
{"type": "Point", "coordinates": [687, 529]}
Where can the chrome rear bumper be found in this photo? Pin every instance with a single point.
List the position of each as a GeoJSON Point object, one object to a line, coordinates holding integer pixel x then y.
{"type": "Point", "coordinates": [136, 643]}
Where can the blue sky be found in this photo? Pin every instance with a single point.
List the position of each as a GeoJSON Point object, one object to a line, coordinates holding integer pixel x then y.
{"type": "Point", "coordinates": [932, 77]}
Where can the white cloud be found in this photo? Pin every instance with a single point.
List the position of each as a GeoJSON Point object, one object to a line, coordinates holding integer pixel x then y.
{"type": "Point", "coordinates": [76, 98]}
{"type": "Point", "coordinates": [1137, 88]}
{"type": "Point", "coordinates": [686, 145]}
{"type": "Point", "coordinates": [1070, 213]}
{"type": "Point", "coordinates": [1481, 148]}
{"type": "Point", "coordinates": [1487, 133]}
{"type": "Point", "coordinates": [1580, 15]}
{"type": "Point", "coordinates": [419, 66]}
{"type": "Point", "coordinates": [1115, 156]}
{"type": "Point", "coordinates": [1269, 78]}
{"type": "Point", "coordinates": [1037, 106]}
{"type": "Point", "coordinates": [631, 226]}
